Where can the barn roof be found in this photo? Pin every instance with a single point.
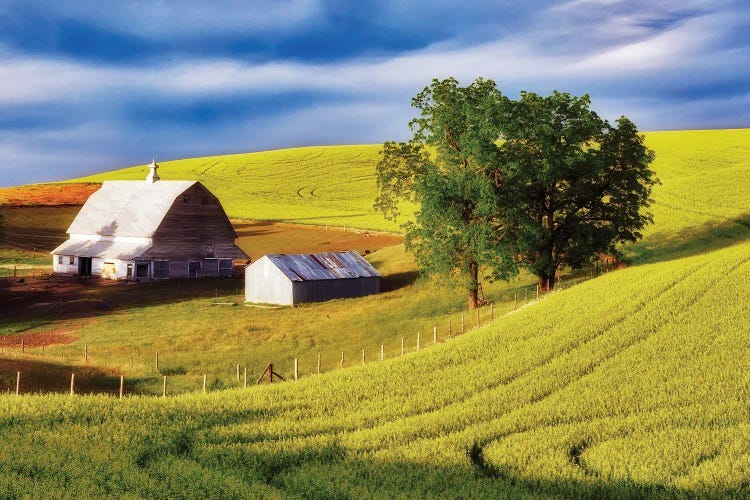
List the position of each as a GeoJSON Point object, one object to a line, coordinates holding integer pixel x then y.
{"type": "Point", "coordinates": [103, 249]}
{"type": "Point", "coordinates": [323, 266]}
{"type": "Point", "coordinates": [127, 208]}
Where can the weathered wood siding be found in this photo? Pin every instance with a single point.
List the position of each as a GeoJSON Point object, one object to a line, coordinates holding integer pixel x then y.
{"type": "Point", "coordinates": [195, 227]}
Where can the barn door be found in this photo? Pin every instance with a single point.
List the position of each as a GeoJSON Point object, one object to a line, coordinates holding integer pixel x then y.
{"type": "Point", "coordinates": [84, 267]}
{"type": "Point", "coordinates": [193, 268]}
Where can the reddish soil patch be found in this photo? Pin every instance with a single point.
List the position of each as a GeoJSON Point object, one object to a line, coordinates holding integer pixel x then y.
{"type": "Point", "coordinates": [51, 194]}
{"type": "Point", "coordinates": [61, 335]}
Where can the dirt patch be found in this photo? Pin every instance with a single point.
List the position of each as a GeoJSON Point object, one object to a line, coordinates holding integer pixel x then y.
{"type": "Point", "coordinates": [260, 238]}
{"type": "Point", "coordinates": [60, 335]}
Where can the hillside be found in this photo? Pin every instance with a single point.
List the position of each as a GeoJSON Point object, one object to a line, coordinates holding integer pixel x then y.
{"type": "Point", "coordinates": [632, 384]}
{"type": "Point", "coordinates": [312, 185]}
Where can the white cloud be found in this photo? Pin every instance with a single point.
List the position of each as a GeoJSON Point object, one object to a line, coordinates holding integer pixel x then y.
{"type": "Point", "coordinates": [625, 59]}
{"type": "Point", "coordinates": [517, 62]}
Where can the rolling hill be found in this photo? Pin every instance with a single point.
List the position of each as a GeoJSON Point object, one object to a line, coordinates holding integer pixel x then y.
{"type": "Point", "coordinates": [632, 384]}
{"type": "Point", "coordinates": [312, 185]}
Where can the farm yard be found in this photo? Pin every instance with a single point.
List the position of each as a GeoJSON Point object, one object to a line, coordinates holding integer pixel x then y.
{"type": "Point", "coordinates": [630, 384]}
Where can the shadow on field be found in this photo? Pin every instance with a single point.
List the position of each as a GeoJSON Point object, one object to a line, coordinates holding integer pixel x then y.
{"type": "Point", "coordinates": [46, 377]}
{"type": "Point", "coordinates": [693, 241]}
{"type": "Point", "coordinates": [62, 297]}
{"type": "Point", "coordinates": [396, 281]}
{"type": "Point", "coordinates": [332, 471]}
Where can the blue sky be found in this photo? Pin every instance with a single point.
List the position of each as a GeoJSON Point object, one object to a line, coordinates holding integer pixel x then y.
{"type": "Point", "coordinates": [91, 86]}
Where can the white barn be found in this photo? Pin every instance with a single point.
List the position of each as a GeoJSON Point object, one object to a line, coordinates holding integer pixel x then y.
{"type": "Point", "coordinates": [149, 230]}
{"type": "Point", "coordinates": [293, 279]}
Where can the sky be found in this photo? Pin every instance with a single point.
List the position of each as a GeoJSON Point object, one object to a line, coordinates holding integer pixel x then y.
{"type": "Point", "coordinates": [89, 86]}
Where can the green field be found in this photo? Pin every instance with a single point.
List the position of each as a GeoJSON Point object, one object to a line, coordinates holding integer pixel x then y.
{"type": "Point", "coordinates": [632, 384]}
{"type": "Point", "coordinates": [313, 185]}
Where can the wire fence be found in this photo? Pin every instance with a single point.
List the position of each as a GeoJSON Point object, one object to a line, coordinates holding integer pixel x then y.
{"type": "Point", "coordinates": [120, 385]}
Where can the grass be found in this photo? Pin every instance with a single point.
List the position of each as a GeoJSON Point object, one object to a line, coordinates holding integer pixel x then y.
{"type": "Point", "coordinates": [633, 384]}
{"type": "Point", "coordinates": [640, 393]}
{"type": "Point", "coordinates": [203, 327]}
{"type": "Point", "coordinates": [313, 185]}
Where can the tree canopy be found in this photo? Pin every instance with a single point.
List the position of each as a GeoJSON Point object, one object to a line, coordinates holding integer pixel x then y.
{"type": "Point", "coordinates": [536, 183]}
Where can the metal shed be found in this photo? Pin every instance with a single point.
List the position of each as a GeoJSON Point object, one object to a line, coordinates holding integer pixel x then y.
{"type": "Point", "coordinates": [292, 279]}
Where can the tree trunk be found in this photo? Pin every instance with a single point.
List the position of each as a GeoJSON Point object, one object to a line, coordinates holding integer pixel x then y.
{"type": "Point", "coordinates": [547, 280]}
{"type": "Point", "coordinates": [473, 296]}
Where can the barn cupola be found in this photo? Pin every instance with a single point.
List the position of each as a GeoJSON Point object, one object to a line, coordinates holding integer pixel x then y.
{"type": "Point", "coordinates": [152, 175]}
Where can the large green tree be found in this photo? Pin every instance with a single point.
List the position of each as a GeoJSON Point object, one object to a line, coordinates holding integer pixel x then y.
{"type": "Point", "coordinates": [578, 184]}
{"type": "Point", "coordinates": [449, 169]}
{"type": "Point", "coordinates": [540, 183]}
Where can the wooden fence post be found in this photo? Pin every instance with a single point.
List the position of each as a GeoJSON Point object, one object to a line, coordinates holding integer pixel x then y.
{"type": "Point", "coordinates": [363, 356]}
{"type": "Point", "coordinates": [238, 372]}
{"type": "Point", "coordinates": [122, 384]}
{"type": "Point", "coordinates": [157, 362]}
{"type": "Point", "coordinates": [537, 291]}
{"type": "Point", "coordinates": [72, 383]}
{"type": "Point", "coordinates": [515, 299]}
{"type": "Point", "coordinates": [204, 383]}
{"type": "Point", "coordinates": [434, 334]}
{"type": "Point", "coordinates": [417, 341]}
{"type": "Point", "coordinates": [342, 359]}
{"type": "Point", "coordinates": [23, 345]}
{"type": "Point", "coordinates": [18, 383]}
{"type": "Point", "coordinates": [270, 373]}
{"type": "Point", "coordinates": [164, 387]}
{"type": "Point", "coordinates": [296, 369]}
{"type": "Point", "coordinates": [382, 353]}
{"type": "Point", "coordinates": [318, 363]}
{"type": "Point", "coordinates": [86, 353]}
{"type": "Point", "coordinates": [244, 378]}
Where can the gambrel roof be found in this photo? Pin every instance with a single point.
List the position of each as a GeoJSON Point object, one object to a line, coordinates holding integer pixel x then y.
{"type": "Point", "coordinates": [128, 208]}
{"type": "Point", "coordinates": [323, 266]}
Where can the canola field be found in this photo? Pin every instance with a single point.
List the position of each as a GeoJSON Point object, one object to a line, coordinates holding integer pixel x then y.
{"type": "Point", "coordinates": [634, 384]}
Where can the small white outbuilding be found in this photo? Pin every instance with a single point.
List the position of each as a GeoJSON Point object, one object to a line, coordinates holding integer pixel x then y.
{"type": "Point", "coordinates": [292, 279]}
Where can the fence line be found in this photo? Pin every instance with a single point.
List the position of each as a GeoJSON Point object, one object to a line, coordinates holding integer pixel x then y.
{"type": "Point", "coordinates": [606, 266]}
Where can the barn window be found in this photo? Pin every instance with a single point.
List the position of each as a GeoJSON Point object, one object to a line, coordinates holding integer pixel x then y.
{"type": "Point", "coordinates": [186, 198]}
{"type": "Point", "coordinates": [59, 259]}
{"type": "Point", "coordinates": [210, 250]}
{"type": "Point", "coordinates": [72, 260]}
{"type": "Point", "coordinates": [129, 272]}
{"type": "Point", "coordinates": [226, 267]}
{"type": "Point", "coordinates": [161, 269]}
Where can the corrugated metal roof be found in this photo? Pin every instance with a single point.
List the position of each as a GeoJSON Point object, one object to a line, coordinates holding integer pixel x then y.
{"type": "Point", "coordinates": [101, 249]}
{"type": "Point", "coordinates": [127, 208]}
{"type": "Point", "coordinates": [323, 266]}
